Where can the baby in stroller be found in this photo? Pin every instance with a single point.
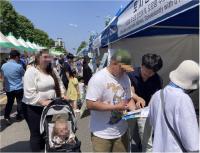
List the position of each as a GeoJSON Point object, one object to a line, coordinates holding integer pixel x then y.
{"type": "Point", "coordinates": [58, 125]}
{"type": "Point", "coordinates": [61, 132]}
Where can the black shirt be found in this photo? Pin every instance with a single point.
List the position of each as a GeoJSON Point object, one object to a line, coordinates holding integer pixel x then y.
{"type": "Point", "coordinates": [87, 74]}
{"type": "Point", "coordinates": [65, 67]}
{"type": "Point", "coordinates": [145, 89]}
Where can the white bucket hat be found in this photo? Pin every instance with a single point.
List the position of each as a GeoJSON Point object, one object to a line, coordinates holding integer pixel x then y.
{"type": "Point", "coordinates": [186, 75]}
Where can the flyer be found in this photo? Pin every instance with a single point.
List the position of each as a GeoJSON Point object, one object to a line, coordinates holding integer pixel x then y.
{"type": "Point", "coordinates": [143, 112]}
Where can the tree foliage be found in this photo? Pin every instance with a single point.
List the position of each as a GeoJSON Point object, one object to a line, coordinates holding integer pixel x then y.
{"type": "Point", "coordinates": [81, 46]}
{"type": "Point", "coordinates": [107, 20]}
{"type": "Point", "coordinates": [19, 25]}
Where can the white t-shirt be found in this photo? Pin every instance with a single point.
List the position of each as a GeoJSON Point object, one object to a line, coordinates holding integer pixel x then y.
{"type": "Point", "coordinates": [103, 86]}
{"type": "Point", "coordinates": [39, 86]}
{"type": "Point", "coordinates": [181, 116]}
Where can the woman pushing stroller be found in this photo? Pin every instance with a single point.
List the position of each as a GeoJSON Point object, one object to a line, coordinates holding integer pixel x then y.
{"type": "Point", "coordinates": [41, 84]}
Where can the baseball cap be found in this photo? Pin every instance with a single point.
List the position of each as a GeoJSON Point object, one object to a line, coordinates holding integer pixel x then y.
{"type": "Point", "coordinates": [123, 57]}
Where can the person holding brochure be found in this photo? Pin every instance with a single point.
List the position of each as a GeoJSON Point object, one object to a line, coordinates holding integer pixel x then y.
{"type": "Point", "coordinates": [108, 99]}
{"type": "Point", "coordinates": [144, 83]}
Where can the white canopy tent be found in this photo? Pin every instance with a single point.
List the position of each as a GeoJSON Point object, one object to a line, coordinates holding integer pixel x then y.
{"type": "Point", "coordinates": [5, 44]}
{"type": "Point", "coordinates": [30, 45]}
{"type": "Point", "coordinates": [173, 49]}
{"type": "Point", "coordinates": [21, 40]}
{"type": "Point", "coordinates": [35, 46]}
{"type": "Point", "coordinates": [14, 41]}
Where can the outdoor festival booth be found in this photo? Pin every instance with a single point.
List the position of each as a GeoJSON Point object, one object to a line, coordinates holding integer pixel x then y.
{"type": "Point", "coordinates": [7, 43]}
{"type": "Point", "coordinates": [5, 47]}
{"type": "Point", "coordinates": [169, 28]}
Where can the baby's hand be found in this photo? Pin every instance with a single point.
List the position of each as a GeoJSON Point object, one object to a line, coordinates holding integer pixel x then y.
{"type": "Point", "coordinates": [72, 140]}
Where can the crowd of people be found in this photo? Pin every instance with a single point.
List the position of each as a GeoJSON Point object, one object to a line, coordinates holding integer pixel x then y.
{"type": "Point", "coordinates": [37, 81]}
{"type": "Point", "coordinates": [170, 126]}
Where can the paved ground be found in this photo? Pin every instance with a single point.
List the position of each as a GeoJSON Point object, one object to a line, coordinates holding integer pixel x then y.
{"type": "Point", "coordinates": [15, 138]}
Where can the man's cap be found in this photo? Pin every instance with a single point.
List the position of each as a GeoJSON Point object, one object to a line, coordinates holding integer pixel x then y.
{"type": "Point", "coordinates": [124, 58]}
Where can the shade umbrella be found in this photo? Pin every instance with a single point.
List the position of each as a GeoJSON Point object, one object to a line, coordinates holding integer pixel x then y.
{"type": "Point", "coordinates": [14, 41]}
{"type": "Point", "coordinates": [5, 43]}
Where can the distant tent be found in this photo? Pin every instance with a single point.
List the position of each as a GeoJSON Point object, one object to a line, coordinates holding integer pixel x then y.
{"type": "Point", "coordinates": [30, 45]}
{"type": "Point", "coordinates": [5, 43]}
{"type": "Point", "coordinates": [35, 46]}
{"type": "Point", "coordinates": [55, 52]}
{"type": "Point", "coordinates": [14, 41]}
{"type": "Point", "coordinates": [21, 40]}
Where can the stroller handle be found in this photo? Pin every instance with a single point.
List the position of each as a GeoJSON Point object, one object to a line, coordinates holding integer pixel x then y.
{"type": "Point", "coordinates": [55, 101]}
{"type": "Point", "coordinates": [59, 101]}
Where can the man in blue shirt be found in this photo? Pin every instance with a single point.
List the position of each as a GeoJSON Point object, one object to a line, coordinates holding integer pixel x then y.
{"type": "Point", "coordinates": [145, 82]}
{"type": "Point", "coordinates": [12, 73]}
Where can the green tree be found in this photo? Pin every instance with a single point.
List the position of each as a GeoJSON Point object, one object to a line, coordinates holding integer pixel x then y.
{"type": "Point", "coordinates": [107, 20]}
{"type": "Point", "coordinates": [81, 46]}
{"type": "Point", "coordinates": [19, 25]}
{"type": "Point", "coordinates": [92, 37]}
{"type": "Point", "coordinates": [51, 42]}
{"type": "Point", "coordinates": [60, 48]}
{"type": "Point", "coordinates": [25, 28]}
{"type": "Point", "coordinates": [8, 18]}
{"type": "Point", "coordinates": [41, 37]}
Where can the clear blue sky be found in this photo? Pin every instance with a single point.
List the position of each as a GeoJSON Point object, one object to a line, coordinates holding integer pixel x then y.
{"type": "Point", "coordinates": [71, 20]}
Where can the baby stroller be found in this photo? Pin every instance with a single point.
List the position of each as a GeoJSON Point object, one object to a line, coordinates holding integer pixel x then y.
{"type": "Point", "coordinates": [58, 107]}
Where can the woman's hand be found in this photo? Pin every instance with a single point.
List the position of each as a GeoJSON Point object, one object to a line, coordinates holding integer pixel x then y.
{"type": "Point", "coordinates": [45, 102]}
{"type": "Point", "coordinates": [65, 97]}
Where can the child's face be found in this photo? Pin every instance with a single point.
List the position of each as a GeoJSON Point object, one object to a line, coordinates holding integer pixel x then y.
{"type": "Point", "coordinates": [62, 130]}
